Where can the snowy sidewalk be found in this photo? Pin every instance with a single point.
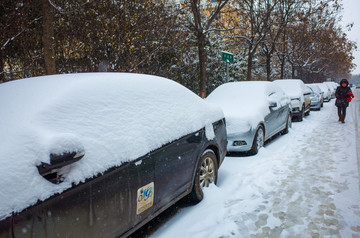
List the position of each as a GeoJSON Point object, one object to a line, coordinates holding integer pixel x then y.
{"type": "Point", "coordinates": [303, 184]}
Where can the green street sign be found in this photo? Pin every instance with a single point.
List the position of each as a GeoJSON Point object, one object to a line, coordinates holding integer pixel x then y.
{"type": "Point", "coordinates": [226, 56]}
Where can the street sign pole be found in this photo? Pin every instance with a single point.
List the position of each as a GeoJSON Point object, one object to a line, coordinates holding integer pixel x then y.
{"type": "Point", "coordinates": [227, 57]}
{"type": "Point", "coordinates": [227, 71]}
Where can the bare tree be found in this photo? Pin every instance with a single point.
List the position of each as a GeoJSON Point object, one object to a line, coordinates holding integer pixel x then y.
{"type": "Point", "coordinates": [283, 13]}
{"type": "Point", "coordinates": [255, 26]}
{"type": "Point", "coordinates": [205, 14]}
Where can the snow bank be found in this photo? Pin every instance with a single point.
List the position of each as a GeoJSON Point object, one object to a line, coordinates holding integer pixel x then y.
{"type": "Point", "coordinates": [114, 117]}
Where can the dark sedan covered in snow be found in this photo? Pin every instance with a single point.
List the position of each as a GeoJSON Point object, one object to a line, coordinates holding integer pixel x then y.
{"type": "Point", "coordinates": [101, 154]}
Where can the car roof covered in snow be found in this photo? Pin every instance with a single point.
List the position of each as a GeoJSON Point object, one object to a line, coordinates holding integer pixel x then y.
{"type": "Point", "coordinates": [292, 87]}
{"type": "Point", "coordinates": [113, 117]}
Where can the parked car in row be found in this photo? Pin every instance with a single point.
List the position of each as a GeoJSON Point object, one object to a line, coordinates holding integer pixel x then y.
{"type": "Point", "coordinates": [326, 91]}
{"type": "Point", "coordinates": [316, 97]}
{"type": "Point", "coordinates": [299, 95]}
{"type": "Point", "coordinates": [101, 154]}
{"type": "Point", "coordinates": [332, 86]}
{"type": "Point", "coordinates": [255, 111]}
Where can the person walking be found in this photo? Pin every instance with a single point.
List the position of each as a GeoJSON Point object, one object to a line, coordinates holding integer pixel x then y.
{"type": "Point", "coordinates": [343, 96]}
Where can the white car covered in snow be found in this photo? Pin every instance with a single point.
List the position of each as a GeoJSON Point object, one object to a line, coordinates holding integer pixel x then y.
{"type": "Point", "coordinates": [254, 111]}
{"type": "Point", "coordinates": [327, 94]}
{"type": "Point", "coordinates": [100, 154]}
{"type": "Point", "coordinates": [299, 95]}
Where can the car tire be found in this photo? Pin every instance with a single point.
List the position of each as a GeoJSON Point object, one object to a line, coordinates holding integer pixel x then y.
{"type": "Point", "coordinates": [206, 173]}
{"type": "Point", "coordinates": [288, 125]}
{"type": "Point", "coordinates": [258, 142]}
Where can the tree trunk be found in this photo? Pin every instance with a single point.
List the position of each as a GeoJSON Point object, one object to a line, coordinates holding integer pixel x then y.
{"type": "Point", "coordinates": [202, 60]}
{"type": "Point", "coordinates": [282, 67]}
{"type": "Point", "coordinates": [48, 37]}
{"type": "Point", "coordinates": [249, 64]}
{"type": "Point", "coordinates": [268, 67]}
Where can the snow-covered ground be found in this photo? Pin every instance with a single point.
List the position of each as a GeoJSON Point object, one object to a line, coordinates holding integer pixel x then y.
{"type": "Point", "coordinates": [303, 184]}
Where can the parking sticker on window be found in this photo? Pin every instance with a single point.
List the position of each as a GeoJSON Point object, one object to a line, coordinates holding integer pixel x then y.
{"type": "Point", "coordinates": [145, 198]}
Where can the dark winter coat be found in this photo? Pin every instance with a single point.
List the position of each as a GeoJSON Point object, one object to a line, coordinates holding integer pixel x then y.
{"type": "Point", "coordinates": [341, 94]}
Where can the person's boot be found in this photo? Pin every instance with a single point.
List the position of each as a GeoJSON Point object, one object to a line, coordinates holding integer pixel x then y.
{"type": "Point", "coordinates": [343, 118]}
{"type": "Point", "coordinates": [339, 117]}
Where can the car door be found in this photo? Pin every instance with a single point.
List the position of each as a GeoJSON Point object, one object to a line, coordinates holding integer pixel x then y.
{"type": "Point", "coordinates": [272, 119]}
{"type": "Point", "coordinates": [142, 194]}
{"type": "Point", "coordinates": [99, 207]}
{"type": "Point", "coordinates": [281, 111]}
{"type": "Point", "coordinates": [174, 167]}
{"type": "Point", "coordinates": [105, 206]}
{"type": "Point", "coordinates": [285, 103]}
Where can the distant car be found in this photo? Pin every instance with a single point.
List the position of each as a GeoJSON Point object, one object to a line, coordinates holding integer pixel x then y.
{"type": "Point", "coordinates": [326, 91]}
{"type": "Point", "coordinates": [101, 154]}
{"type": "Point", "coordinates": [254, 112]}
{"type": "Point", "coordinates": [332, 86]}
{"type": "Point", "coordinates": [299, 95]}
{"type": "Point", "coordinates": [316, 97]}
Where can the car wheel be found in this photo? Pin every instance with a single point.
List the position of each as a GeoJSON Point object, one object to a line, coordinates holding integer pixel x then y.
{"type": "Point", "coordinates": [206, 173]}
{"type": "Point", "coordinates": [258, 141]}
{"type": "Point", "coordinates": [288, 125]}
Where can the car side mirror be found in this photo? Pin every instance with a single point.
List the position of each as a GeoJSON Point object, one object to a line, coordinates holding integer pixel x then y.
{"type": "Point", "coordinates": [54, 172]}
{"type": "Point", "coordinates": [272, 104]}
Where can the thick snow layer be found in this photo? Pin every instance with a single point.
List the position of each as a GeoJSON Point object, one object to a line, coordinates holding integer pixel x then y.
{"type": "Point", "coordinates": [245, 104]}
{"type": "Point", "coordinates": [302, 184]}
{"type": "Point", "coordinates": [291, 87]}
{"type": "Point", "coordinates": [113, 117]}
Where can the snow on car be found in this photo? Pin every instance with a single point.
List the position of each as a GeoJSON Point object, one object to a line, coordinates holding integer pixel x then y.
{"type": "Point", "coordinates": [111, 139]}
{"type": "Point", "coordinates": [254, 111]}
{"type": "Point", "coordinates": [299, 95]}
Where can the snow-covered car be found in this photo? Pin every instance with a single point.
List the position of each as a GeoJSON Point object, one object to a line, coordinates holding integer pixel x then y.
{"type": "Point", "coordinates": [332, 86]}
{"type": "Point", "coordinates": [326, 91]}
{"type": "Point", "coordinates": [100, 154]}
{"type": "Point", "coordinates": [316, 97]}
{"type": "Point", "coordinates": [299, 95]}
{"type": "Point", "coordinates": [254, 111]}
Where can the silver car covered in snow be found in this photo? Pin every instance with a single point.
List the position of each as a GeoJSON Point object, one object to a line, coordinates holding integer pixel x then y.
{"type": "Point", "coordinates": [254, 112]}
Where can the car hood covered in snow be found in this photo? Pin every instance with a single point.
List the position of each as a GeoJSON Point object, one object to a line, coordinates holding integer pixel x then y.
{"type": "Point", "coordinates": [113, 117]}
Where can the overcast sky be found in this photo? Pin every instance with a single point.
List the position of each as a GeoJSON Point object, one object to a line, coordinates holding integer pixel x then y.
{"type": "Point", "coordinates": [351, 14]}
